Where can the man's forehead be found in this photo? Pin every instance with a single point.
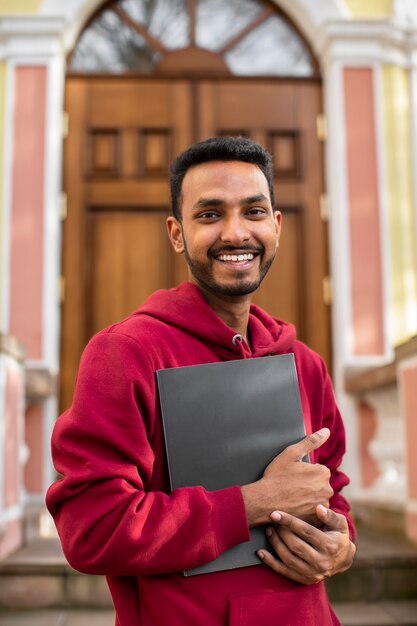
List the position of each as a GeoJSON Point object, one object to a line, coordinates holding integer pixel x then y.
{"type": "Point", "coordinates": [225, 176]}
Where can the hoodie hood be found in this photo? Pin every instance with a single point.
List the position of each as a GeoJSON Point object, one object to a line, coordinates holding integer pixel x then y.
{"type": "Point", "coordinates": [185, 308]}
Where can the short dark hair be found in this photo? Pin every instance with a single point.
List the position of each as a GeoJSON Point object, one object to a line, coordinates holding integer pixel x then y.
{"type": "Point", "coordinates": [218, 149]}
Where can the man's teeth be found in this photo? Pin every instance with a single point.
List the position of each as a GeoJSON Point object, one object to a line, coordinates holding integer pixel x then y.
{"type": "Point", "coordinates": [236, 257]}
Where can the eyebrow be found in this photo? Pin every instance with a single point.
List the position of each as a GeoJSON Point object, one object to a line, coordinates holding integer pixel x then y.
{"type": "Point", "coordinates": [205, 203]}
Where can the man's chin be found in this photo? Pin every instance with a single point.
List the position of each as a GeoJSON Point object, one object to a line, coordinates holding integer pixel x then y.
{"type": "Point", "coordinates": [232, 290]}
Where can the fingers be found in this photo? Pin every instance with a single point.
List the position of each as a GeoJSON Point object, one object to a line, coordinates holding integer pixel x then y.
{"type": "Point", "coordinates": [280, 568]}
{"type": "Point", "coordinates": [292, 550]}
{"type": "Point", "coordinates": [290, 562]}
{"type": "Point", "coordinates": [299, 450]}
{"type": "Point", "coordinates": [332, 520]}
{"type": "Point", "coordinates": [305, 553]}
{"type": "Point", "coordinates": [308, 533]}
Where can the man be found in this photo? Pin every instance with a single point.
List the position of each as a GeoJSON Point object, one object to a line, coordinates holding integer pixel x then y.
{"type": "Point", "coordinates": [113, 507]}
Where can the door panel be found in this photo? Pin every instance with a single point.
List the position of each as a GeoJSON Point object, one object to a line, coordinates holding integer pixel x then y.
{"type": "Point", "coordinates": [124, 133]}
{"type": "Point", "coordinates": [129, 258]}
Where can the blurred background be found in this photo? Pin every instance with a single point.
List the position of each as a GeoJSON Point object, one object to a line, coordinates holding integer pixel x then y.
{"type": "Point", "coordinates": [96, 99]}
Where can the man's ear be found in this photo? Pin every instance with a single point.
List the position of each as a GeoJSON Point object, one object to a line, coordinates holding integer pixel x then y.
{"type": "Point", "coordinates": [278, 224]}
{"type": "Point", "coordinates": [175, 234]}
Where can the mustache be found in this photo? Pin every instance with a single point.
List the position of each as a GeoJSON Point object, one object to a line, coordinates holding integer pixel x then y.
{"type": "Point", "coordinates": [228, 249]}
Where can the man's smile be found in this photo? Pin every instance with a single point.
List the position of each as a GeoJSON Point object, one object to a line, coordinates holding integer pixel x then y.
{"type": "Point", "coordinates": [235, 258]}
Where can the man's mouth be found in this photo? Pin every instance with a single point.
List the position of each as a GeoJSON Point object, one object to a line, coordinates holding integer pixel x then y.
{"type": "Point", "coordinates": [235, 258]}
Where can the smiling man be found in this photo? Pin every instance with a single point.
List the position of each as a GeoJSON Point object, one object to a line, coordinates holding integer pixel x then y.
{"type": "Point", "coordinates": [113, 507]}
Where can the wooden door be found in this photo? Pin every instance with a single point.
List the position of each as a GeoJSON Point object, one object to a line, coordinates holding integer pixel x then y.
{"type": "Point", "coordinates": [123, 134]}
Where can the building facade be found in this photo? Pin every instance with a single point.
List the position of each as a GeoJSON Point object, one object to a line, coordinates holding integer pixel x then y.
{"type": "Point", "coordinates": [364, 59]}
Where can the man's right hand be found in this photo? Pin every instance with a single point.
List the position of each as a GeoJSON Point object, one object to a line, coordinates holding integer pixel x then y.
{"type": "Point", "coordinates": [290, 485]}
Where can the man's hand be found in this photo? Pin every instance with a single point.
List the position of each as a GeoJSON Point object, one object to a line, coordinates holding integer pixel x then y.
{"type": "Point", "coordinates": [305, 553]}
{"type": "Point", "coordinates": [290, 485]}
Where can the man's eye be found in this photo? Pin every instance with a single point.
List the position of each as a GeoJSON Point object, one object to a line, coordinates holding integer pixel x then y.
{"type": "Point", "coordinates": [255, 211]}
{"type": "Point", "coordinates": [208, 215]}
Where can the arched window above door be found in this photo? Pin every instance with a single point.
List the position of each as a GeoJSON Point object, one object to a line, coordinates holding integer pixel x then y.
{"type": "Point", "coordinates": [224, 37]}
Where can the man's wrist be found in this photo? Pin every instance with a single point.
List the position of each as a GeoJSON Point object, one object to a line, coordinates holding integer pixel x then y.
{"type": "Point", "coordinates": [253, 499]}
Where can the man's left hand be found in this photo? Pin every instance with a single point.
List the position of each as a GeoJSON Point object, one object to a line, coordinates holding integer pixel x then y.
{"type": "Point", "coordinates": [307, 554]}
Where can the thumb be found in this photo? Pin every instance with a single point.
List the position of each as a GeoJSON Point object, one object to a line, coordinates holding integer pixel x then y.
{"type": "Point", "coordinates": [332, 520]}
{"type": "Point", "coordinates": [299, 450]}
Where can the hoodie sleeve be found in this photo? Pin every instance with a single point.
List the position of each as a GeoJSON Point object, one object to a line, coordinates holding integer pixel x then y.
{"type": "Point", "coordinates": [109, 519]}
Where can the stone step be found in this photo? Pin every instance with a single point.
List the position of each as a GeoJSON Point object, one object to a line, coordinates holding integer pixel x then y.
{"type": "Point", "coordinates": [38, 577]}
{"type": "Point", "coordinates": [57, 618]}
{"type": "Point", "coordinates": [385, 569]}
{"type": "Point", "coordinates": [376, 614]}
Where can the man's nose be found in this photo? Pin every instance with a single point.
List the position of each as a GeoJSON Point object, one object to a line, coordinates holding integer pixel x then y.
{"type": "Point", "coordinates": [235, 230]}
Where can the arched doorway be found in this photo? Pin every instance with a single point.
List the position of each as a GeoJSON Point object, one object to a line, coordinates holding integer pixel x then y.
{"type": "Point", "coordinates": [146, 79]}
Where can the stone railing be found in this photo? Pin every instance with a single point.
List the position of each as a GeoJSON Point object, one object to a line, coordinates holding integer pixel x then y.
{"type": "Point", "coordinates": [12, 446]}
{"type": "Point", "coordinates": [388, 443]}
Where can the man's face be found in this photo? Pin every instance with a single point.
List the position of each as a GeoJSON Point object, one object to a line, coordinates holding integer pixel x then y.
{"type": "Point", "coordinates": [229, 231]}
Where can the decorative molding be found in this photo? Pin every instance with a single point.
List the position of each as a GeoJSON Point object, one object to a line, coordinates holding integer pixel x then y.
{"type": "Point", "coordinates": [23, 36]}
{"type": "Point", "coordinates": [11, 514]}
{"type": "Point", "coordinates": [307, 15]}
{"type": "Point", "coordinates": [411, 506]}
{"type": "Point", "coordinates": [362, 380]}
{"type": "Point", "coordinates": [12, 347]}
{"type": "Point", "coordinates": [285, 147]}
{"type": "Point", "coordinates": [362, 41]}
{"type": "Point", "coordinates": [405, 13]}
{"type": "Point", "coordinates": [310, 16]}
{"type": "Point", "coordinates": [325, 23]}
{"type": "Point", "coordinates": [104, 153]}
{"type": "Point", "coordinates": [40, 385]}
{"type": "Point", "coordinates": [154, 151]}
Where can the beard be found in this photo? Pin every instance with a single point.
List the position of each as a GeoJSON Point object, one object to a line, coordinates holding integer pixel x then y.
{"type": "Point", "coordinates": [203, 274]}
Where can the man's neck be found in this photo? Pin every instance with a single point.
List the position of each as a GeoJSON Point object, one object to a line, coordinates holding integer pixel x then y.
{"type": "Point", "coordinates": [232, 310]}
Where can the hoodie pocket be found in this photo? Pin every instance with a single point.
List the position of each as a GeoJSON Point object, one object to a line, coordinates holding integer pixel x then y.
{"type": "Point", "coordinates": [306, 605]}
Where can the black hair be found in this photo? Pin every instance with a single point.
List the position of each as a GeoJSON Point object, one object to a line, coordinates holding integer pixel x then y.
{"type": "Point", "coordinates": [218, 149]}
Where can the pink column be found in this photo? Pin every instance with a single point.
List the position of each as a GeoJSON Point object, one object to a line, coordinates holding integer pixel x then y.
{"type": "Point", "coordinates": [408, 382]}
{"type": "Point", "coordinates": [364, 219]}
{"type": "Point", "coordinates": [27, 236]}
{"type": "Point", "coordinates": [27, 221]}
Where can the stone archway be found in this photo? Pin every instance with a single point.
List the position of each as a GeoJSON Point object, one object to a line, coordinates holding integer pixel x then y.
{"type": "Point", "coordinates": [306, 15]}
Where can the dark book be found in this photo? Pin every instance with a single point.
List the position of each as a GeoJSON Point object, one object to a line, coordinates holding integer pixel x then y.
{"type": "Point", "coordinates": [224, 423]}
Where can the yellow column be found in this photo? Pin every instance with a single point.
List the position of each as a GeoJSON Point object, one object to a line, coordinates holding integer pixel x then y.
{"type": "Point", "coordinates": [13, 7]}
{"type": "Point", "coordinates": [2, 114]}
{"type": "Point", "coordinates": [369, 9]}
{"type": "Point", "coordinates": [401, 215]}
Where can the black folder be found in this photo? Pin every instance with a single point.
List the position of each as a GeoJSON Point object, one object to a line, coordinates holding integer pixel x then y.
{"type": "Point", "coordinates": [224, 423]}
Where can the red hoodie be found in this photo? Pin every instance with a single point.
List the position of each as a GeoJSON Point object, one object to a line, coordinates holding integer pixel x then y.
{"type": "Point", "coordinates": [113, 508]}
